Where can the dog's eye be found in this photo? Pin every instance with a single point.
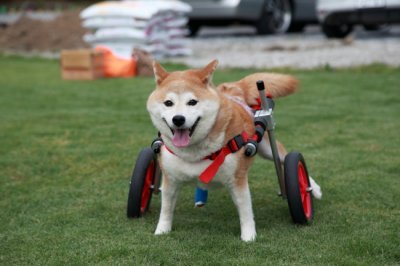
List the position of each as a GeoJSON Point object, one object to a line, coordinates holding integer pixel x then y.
{"type": "Point", "coordinates": [168, 103]}
{"type": "Point", "coordinates": [192, 102]}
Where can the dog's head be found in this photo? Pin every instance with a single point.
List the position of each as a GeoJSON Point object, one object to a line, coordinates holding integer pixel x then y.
{"type": "Point", "coordinates": [184, 105]}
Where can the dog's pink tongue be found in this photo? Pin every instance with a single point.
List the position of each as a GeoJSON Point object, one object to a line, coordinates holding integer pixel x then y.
{"type": "Point", "coordinates": [181, 138]}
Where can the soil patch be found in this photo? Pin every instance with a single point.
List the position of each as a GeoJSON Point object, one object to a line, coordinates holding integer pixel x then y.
{"type": "Point", "coordinates": [27, 35]}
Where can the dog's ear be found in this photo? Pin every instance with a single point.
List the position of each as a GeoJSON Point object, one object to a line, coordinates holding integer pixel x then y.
{"type": "Point", "coordinates": [159, 73]}
{"type": "Point", "coordinates": [205, 74]}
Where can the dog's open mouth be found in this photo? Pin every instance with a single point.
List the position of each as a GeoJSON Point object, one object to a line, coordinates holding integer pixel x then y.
{"type": "Point", "coordinates": [181, 136]}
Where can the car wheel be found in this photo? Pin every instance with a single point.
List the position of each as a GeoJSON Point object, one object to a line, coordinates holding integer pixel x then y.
{"type": "Point", "coordinates": [336, 31]}
{"type": "Point", "coordinates": [276, 17]}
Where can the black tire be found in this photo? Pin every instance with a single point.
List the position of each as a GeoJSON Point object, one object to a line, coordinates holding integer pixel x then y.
{"type": "Point", "coordinates": [336, 31]}
{"type": "Point", "coordinates": [372, 27]}
{"type": "Point", "coordinates": [276, 17]}
{"type": "Point", "coordinates": [297, 182]}
{"type": "Point", "coordinates": [140, 189]}
{"type": "Point", "coordinates": [193, 28]}
{"type": "Point", "coordinates": [296, 27]}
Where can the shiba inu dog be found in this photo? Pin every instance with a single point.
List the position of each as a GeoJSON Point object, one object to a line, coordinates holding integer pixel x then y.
{"type": "Point", "coordinates": [196, 120]}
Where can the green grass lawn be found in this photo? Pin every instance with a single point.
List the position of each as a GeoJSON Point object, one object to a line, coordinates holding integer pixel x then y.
{"type": "Point", "coordinates": [67, 150]}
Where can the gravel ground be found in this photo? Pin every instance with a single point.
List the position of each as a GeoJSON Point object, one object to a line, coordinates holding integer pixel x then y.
{"type": "Point", "coordinates": [240, 47]}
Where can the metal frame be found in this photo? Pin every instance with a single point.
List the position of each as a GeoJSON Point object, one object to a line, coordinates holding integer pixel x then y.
{"type": "Point", "coordinates": [266, 116]}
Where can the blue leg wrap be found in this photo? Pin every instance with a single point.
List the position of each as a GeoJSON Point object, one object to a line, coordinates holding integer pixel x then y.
{"type": "Point", "coordinates": [200, 197]}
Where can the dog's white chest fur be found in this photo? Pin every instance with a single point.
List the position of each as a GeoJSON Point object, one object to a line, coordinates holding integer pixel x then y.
{"type": "Point", "coordinates": [181, 170]}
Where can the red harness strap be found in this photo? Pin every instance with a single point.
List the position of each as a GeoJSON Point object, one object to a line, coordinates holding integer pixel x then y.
{"type": "Point", "coordinates": [218, 157]}
{"type": "Point", "coordinates": [208, 174]}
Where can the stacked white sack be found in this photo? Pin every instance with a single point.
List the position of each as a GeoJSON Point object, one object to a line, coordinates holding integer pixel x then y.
{"type": "Point", "coordinates": [158, 27]}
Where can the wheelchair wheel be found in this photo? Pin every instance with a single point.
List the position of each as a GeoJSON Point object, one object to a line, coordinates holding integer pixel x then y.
{"type": "Point", "coordinates": [141, 186]}
{"type": "Point", "coordinates": [298, 189]}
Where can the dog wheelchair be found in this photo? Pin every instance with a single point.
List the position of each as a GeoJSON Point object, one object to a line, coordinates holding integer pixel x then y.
{"type": "Point", "coordinates": [293, 178]}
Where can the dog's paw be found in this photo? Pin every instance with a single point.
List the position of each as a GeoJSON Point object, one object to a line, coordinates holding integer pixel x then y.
{"type": "Point", "coordinates": [199, 204]}
{"type": "Point", "coordinates": [163, 228]}
{"type": "Point", "coordinates": [249, 237]}
{"type": "Point", "coordinates": [316, 189]}
{"type": "Point", "coordinates": [248, 234]}
{"type": "Point", "coordinates": [162, 231]}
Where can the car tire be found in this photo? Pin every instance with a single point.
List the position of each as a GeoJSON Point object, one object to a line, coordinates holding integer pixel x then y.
{"type": "Point", "coordinates": [372, 27]}
{"type": "Point", "coordinates": [336, 31]}
{"type": "Point", "coordinates": [193, 28]}
{"type": "Point", "coordinates": [296, 27]}
{"type": "Point", "coordinates": [276, 17]}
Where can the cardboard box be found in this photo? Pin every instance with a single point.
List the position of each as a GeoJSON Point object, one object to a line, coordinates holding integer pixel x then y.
{"type": "Point", "coordinates": [84, 64]}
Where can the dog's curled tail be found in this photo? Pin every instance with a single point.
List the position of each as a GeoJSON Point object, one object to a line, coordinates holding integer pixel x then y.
{"type": "Point", "coordinates": [278, 85]}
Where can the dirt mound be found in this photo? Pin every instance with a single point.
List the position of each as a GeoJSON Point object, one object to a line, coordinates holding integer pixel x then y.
{"type": "Point", "coordinates": [65, 32]}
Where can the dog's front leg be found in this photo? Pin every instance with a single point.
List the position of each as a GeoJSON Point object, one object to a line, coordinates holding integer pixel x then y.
{"type": "Point", "coordinates": [240, 193]}
{"type": "Point", "coordinates": [169, 195]}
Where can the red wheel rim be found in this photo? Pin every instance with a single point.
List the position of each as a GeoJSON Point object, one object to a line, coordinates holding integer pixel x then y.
{"type": "Point", "coordinates": [146, 192]}
{"type": "Point", "coordinates": [304, 193]}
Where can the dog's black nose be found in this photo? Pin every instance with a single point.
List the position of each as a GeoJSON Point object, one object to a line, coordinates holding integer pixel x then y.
{"type": "Point", "coordinates": [178, 120]}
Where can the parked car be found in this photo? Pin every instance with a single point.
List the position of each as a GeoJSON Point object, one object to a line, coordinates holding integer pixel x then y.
{"type": "Point", "coordinates": [268, 16]}
{"type": "Point", "coordinates": [338, 17]}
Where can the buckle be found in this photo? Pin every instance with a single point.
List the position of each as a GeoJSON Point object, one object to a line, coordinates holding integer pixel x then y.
{"type": "Point", "coordinates": [236, 143]}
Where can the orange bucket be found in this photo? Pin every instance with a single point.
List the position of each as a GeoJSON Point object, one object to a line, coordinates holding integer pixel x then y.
{"type": "Point", "coordinates": [115, 66]}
